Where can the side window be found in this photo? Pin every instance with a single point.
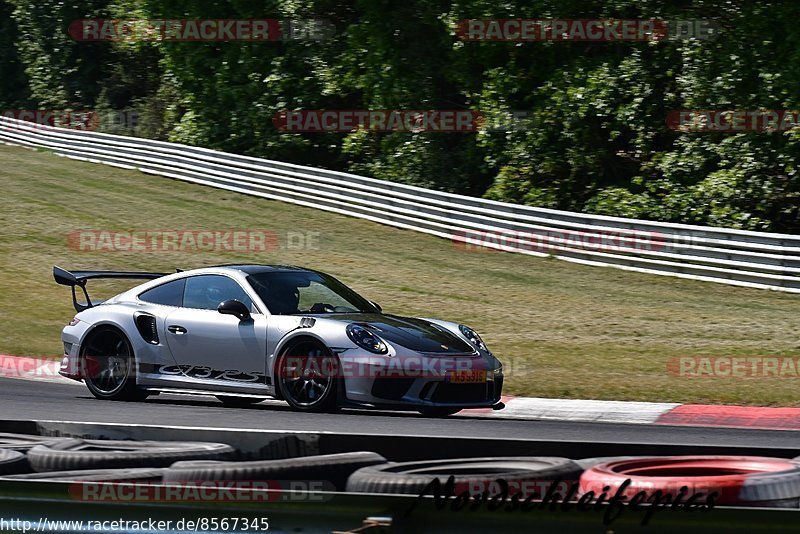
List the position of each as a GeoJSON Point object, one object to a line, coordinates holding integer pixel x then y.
{"type": "Point", "coordinates": [206, 291]}
{"type": "Point", "coordinates": [169, 294]}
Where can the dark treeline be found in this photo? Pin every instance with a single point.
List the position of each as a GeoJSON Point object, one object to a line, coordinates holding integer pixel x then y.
{"type": "Point", "coordinates": [596, 138]}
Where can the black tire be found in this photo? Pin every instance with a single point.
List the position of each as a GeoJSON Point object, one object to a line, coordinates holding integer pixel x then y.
{"type": "Point", "coordinates": [231, 401]}
{"type": "Point", "coordinates": [476, 474]}
{"type": "Point", "coordinates": [289, 446]}
{"type": "Point", "coordinates": [24, 442]}
{"type": "Point", "coordinates": [437, 411]}
{"type": "Point", "coordinates": [96, 475]}
{"type": "Point", "coordinates": [297, 390]}
{"type": "Point", "coordinates": [332, 469]}
{"type": "Point", "coordinates": [12, 462]}
{"type": "Point", "coordinates": [587, 463]}
{"type": "Point", "coordinates": [109, 366]}
{"type": "Point", "coordinates": [72, 454]}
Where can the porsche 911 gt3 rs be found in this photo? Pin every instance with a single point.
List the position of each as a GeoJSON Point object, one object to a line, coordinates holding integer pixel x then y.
{"type": "Point", "coordinates": [247, 332]}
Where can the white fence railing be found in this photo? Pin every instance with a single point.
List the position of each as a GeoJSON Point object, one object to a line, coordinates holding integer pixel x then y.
{"type": "Point", "coordinates": [736, 257]}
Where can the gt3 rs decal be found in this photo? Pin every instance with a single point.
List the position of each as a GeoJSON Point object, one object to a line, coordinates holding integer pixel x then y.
{"type": "Point", "coordinates": [195, 371]}
{"type": "Point", "coordinates": [207, 373]}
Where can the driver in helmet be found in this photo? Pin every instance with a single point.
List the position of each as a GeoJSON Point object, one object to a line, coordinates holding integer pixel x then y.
{"type": "Point", "coordinates": [283, 299]}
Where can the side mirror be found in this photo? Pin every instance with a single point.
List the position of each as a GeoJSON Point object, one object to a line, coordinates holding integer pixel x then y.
{"type": "Point", "coordinates": [234, 307]}
{"type": "Point", "coordinates": [376, 305]}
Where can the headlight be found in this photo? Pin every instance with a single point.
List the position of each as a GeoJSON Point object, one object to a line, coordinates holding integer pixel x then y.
{"type": "Point", "coordinates": [473, 337]}
{"type": "Point", "coordinates": [366, 339]}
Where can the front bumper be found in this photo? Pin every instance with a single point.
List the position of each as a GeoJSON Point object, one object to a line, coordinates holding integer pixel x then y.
{"type": "Point", "coordinates": [381, 384]}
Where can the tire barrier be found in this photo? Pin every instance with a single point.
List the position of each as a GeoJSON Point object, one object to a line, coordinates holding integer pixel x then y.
{"type": "Point", "coordinates": [736, 480]}
{"type": "Point", "coordinates": [587, 463]}
{"type": "Point", "coordinates": [473, 474]}
{"type": "Point", "coordinates": [74, 454]}
{"type": "Point", "coordinates": [12, 462]}
{"type": "Point", "coordinates": [721, 480]}
{"type": "Point", "coordinates": [290, 446]}
{"type": "Point", "coordinates": [333, 469]}
{"type": "Point", "coordinates": [24, 442]}
{"type": "Point", "coordinates": [140, 475]}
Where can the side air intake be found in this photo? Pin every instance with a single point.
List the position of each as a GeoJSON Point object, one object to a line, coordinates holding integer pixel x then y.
{"type": "Point", "coordinates": [146, 324]}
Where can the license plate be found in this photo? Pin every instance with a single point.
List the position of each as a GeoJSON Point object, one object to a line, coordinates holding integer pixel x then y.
{"type": "Point", "coordinates": [466, 377]}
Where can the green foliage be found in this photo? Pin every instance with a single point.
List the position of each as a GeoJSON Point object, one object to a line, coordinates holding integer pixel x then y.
{"type": "Point", "coordinates": [14, 92]}
{"type": "Point", "coordinates": [595, 138]}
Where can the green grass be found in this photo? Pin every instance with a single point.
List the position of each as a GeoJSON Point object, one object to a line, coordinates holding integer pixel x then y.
{"type": "Point", "coordinates": [563, 330]}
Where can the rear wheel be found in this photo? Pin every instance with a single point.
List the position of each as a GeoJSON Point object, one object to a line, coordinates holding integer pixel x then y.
{"type": "Point", "coordinates": [308, 378]}
{"type": "Point", "coordinates": [109, 366]}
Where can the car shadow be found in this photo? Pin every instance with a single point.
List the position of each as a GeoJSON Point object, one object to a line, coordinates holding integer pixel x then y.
{"type": "Point", "coordinates": [278, 406]}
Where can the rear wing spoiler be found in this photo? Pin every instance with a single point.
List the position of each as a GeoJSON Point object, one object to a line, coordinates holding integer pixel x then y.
{"type": "Point", "coordinates": [75, 279]}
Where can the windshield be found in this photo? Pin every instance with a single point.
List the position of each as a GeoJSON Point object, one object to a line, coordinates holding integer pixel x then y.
{"type": "Point", "coordinates": [288, 293]}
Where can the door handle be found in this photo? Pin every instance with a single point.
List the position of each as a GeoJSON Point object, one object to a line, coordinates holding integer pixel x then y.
{"type": "Point", "coordinates": [176, 329]}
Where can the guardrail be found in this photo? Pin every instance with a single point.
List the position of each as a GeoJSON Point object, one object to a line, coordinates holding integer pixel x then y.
{"type": "Point", "coordinates": [735, 257]}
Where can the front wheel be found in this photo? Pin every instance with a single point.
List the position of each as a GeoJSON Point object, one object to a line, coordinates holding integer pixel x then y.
{"type": "Point", "coordinates": [109, 366]}
{"type": "Point", "coordinates": [308, 378]}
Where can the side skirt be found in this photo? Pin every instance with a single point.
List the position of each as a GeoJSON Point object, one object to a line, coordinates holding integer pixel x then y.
{"type": "Point", "coordinates": [179, 391]}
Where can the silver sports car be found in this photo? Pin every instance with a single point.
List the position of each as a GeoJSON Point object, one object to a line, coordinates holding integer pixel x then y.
{"type": "Point", "coordinates": [246, 332]}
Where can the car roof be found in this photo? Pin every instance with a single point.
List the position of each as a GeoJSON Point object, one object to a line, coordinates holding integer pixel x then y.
{"type": "Point", "coordinates": [253, 268]}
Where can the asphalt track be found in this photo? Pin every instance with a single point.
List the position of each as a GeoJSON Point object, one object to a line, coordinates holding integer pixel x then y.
{"type": "Point", "coordinates": [39, 400]}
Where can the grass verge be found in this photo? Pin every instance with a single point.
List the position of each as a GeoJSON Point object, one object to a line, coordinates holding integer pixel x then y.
{"type": "Point", "coordinates": [563, 330]}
